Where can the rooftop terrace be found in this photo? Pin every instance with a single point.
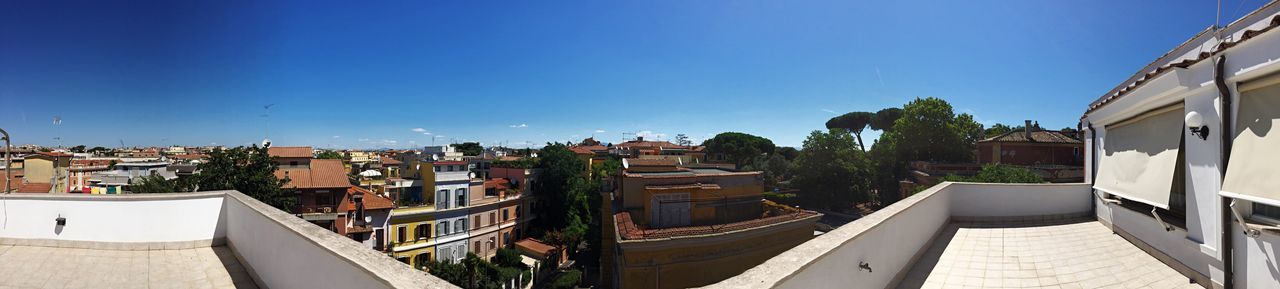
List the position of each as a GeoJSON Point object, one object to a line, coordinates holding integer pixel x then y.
{"type": "Point", "coordinates": [220, 239]}
{"type": "Point", "coordinates": [969, 235]}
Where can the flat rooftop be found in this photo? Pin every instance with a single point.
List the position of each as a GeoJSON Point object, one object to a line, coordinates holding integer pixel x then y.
{"type": "Point", "coordinates": [50, 267]}
{"type": "Point", "coordinates": [1076, 253]}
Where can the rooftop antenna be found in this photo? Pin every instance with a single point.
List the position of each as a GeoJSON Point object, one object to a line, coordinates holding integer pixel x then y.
{"type": "Point", "coordinates": [57, 124]}
{"type": "Point", "coordinates": [267, 126]}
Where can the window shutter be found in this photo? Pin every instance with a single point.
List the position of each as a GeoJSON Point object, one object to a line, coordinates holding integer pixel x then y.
{"type": "Point", "coordinates": [1141, 156]}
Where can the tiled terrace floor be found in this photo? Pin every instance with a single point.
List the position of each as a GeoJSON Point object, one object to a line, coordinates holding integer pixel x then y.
{"type": "Point", "coordinates": [1042, 254]}
{"type": "Point", "coordinates": [46, 267]}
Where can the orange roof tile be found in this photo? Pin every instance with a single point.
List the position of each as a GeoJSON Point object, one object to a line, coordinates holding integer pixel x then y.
{"type": "Point", "coordinates": [321, 174]}
{"type": "Point", "coordinates": [289, 152]}
{"type": "Point", "coordinates": [534, 246]}
{"type": "Point", "coordinates": [34, 188]}
{"type": "Point", "coordinates": [628, 229]}
{"type": "Point", "coordinates": [372, 201]}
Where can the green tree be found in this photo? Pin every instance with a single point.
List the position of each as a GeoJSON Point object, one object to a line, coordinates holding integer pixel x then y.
{"type": "Point", "coordinates": [469, 148]}
{"type": "Point", "coordinates": [98, 150]}
{"type": "Point", "coordinates": [998, 173]}
{"type": "Point", "coordinates": [775, 169]}
{"type": "Point", "coordinates": [788, 153]}
{"type": "Point", "coordinates": [999, 129]}
{"type": "Point", "coordinates": [886, 118]}
{"type": "Point", "coordinates": [77, 149]}
{"type": "Point", "coordinates": [329, 155]}
{"type": "Point", "coordinates": [855, 122]}
{"type": "Point", "coordinates": [929, 131]}
{"type": "Point", "coordinates": [739, 147]}
{"type": "Point", "coordinates": [831, 172]}
{"type": "Point", "coordinates": [249, 170]}
{"type": "Point", "coordinates": [567, 280]}
{"type": "Point", "coordinates": [566, 193]}
{"type": "Point", "coordinates": [156, 184]}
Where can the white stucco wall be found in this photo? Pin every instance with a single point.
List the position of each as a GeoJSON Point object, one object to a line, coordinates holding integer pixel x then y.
{"type": "Point", "coordinates": [112, 218]}
{"type": "Point", "coordinates": [1011, 200]}
{"type": "Point", "coordinates": [888, 239]}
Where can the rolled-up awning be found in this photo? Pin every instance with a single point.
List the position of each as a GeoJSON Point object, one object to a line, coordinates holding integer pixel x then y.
{"type": "Point", "coordinates": [1253, 172]}
{"type": "Point", "coordinates": [1141, 155]}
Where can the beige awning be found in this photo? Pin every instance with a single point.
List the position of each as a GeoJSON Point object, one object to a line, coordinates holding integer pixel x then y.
{"type": "Point", "coordinates": [1141, 157]}
{"type": "Point", "coordinates": [1253, 172]}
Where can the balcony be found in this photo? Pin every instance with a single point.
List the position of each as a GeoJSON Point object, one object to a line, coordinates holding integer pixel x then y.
{"type": "Point", "coordinates": [968, 235]}
{"type": "Point", "coordinates": [220, 239]}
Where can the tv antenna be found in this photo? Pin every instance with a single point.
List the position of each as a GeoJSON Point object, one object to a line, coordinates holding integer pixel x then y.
{"type": "Point", "coordinates": [267, 126]}
{"type": "Point", "coordinates": [57, 124]}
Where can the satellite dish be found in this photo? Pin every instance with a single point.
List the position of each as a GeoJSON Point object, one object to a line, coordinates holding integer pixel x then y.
{"type": "Point", "coordinates": [435, 157]}
{"type": "Point", "coordinates": [368, 219]}
{"type": "Point", "coordinates": [471, 175]}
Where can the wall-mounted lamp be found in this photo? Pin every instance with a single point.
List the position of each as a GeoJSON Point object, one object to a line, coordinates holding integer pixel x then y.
{"type": "Point", "coordinates": [1195, 123]}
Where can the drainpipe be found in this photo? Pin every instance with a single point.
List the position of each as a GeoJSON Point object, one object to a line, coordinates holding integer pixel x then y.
{"type": "Point", "coordinates": [8, 161]}
{"type": "Point", "coordinates": [1224, 94]}
{"type": "Point", "coordinates": [1093, 164]}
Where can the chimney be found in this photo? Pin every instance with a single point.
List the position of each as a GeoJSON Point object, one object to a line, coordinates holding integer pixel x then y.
{"type": "Point", "coordinates": [1026, 129]}
{"type": "Point", "coordinates": [640, 138]}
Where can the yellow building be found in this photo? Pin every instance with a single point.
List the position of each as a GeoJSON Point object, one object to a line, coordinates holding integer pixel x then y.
{"type": "Point", "coordinates": [46, 172]}
{"type": "Point", "coordinates": [678, 227]}
{"type": "Point", "coordinates": [412, 220]}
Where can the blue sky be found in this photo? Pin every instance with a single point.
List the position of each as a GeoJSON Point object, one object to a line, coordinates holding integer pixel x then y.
{"type": "Point", "coordinates": [384, 74]}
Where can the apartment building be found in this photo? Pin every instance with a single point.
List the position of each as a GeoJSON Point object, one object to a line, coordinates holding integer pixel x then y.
{"type": "Point", "coordinates": [319, 183]}
{"type": "Point", "coordinates": [364, 216]}
{"type": "Point", "coordinates": [674, 227]}
{"type": "Point", "coordinates": [46, 172]}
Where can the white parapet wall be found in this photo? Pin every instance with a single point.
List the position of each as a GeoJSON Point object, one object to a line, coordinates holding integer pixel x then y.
{"type": "Point", "coordinates": [134, 219]}
{"type": "Point", "coordinates": [890, 240]}
{"type": "Point", "coordinates": [279, 249]}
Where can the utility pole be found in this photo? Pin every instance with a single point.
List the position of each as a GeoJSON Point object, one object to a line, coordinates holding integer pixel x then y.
{"type": "Point", "coordinates": [8, 161]}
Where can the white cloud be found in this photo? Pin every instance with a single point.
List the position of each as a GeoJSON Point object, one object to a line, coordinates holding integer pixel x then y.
{"type": "Point", "coordinates": [426, 133]}
{"type": "Point", "coordinates": [829, 111]}
{"type": "Point", "coordinates": [518, 126]}
{"type": "Point", "coordinates": [418, 129]}
{"type": "Point", "coordinates": [337, 136]}
{"type": "Point", "coordinates": [599, 131]}
{"type": "Point", "coordinates": [575, 136]}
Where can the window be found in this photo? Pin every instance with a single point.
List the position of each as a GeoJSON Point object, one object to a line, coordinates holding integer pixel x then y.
{"type": "Point", "coordinates": [517, 233]}
{"type": "Point", "coordinates": [460, 226]}
{"type": "Point", "coordinates": [476, 248]}
{"type": "Point", "coordinates": [437, 168]}
{"type": "Point", "coordinates": [476, 223]}
{"type": "Point", "coordinates": [517, 211]}
{"type": "Point", "coordinates": [442, 199]}
{"type": "Point", "coordinates": [506, 238]}
{"type": "Point", "coordinates": [324, 199]}
{"type": "Point", "coordinates": [400, 232]}
{"type": "Point", "coordinates": [492, 218]}
{"type": "Point", "coordinates": [421, 259]}
{"type": "Point", "coordinates": [449, 168]}
{"type": "Point", "coordinates": [293, 163]}
{"type": "Point", "coordinates": [442, 228]}
{"type": "Point", "coordinates": [492, 244]}
{"type": "Point", "coordinates": [1263, 210]}
{"type": "Point", "coordinates": [461, 197]}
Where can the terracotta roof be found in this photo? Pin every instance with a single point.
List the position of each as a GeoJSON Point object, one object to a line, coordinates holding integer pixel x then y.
{"type": "Point", "coordinates": [289, 152]}
{"type": "Point", "coordinates": [53, 154]}
{"type": "Point", "coordinates": [447, 163]}
{"type": "Point", "coordinates": [651, 162]}
{"type": "Point", "coordinates": [628, 229]}
{"type": "Point", "coordinates": [501, 184]}
{"type": "Point", "coordinates": [1039, 136]}
{"type": "Point", "coordinates": [683, 187]}
{"type": "Point", "coordinates": [321, 174]}
{"type": "Point", "coordinates": [1142, 77]}
{"type": "Point", "coordinates": [651, 144]}
{"type": "Point", "coordinates": [89, 163]}
{"type": "Point", "coordinates": [372, 201]}
{"type": "Point", "coordinates": [534, 246]}
{"type": "Point", "coordinates": [34, 188]}
{"type": "Point", "coordinates": [389, 161]}
{"type": "Point", "coordinates": [586, 150]}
